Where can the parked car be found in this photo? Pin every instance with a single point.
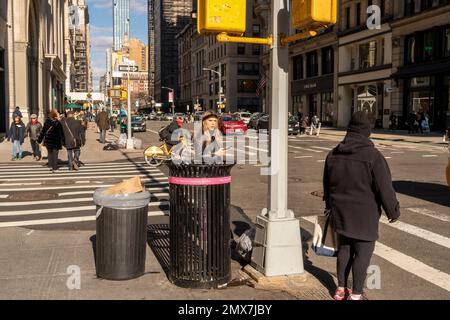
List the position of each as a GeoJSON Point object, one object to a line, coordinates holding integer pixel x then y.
{"type": "Point", "coordinates": [293, 126]}
{"type": "Point", "coordinates": [263, 122]}
{"type": "Point", "coordinates": [231, 124]}
{"type": "Point", "coordinates": [253, 123]}
{"type": "Point", "coordinates": [168, 117]}
{"type": "Point", "coordinates": [138, 123]}
{"type": "Point", "coordinates": [245, 116]}
{"type": "Point", "coordinates": [159, 116]}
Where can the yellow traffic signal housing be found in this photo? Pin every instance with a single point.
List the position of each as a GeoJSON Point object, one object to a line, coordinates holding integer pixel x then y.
{"type": "Point", "coordinates": [217, 16]}
{"type": "Point", "coordinates": [124, 95]}
{"type": "Point", "coordinates": [313, 14]}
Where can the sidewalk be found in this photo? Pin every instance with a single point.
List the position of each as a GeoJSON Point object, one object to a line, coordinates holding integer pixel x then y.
{"type": "Point", "coordinates": [392, 136]}
{"type": "Point", "coordinates": [92, 152]}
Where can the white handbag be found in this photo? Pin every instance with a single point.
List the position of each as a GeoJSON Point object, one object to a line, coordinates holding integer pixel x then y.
{"type": "Point", "coordinates": [325, 240]}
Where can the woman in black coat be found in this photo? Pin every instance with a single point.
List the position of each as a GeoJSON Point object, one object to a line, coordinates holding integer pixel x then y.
{"type": "Point", "coordinates": [357, 186]}
{"type": "Point", "coordinates": [52, 136]}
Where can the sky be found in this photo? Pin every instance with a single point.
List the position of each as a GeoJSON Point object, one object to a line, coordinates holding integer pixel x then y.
{"type": "Point", "coordinates": [101, 24]}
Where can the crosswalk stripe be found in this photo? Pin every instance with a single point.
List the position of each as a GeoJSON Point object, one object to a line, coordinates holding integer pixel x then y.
{"type": "Point", "coordinates": [323, 148]}
{"type": "Point", "coordinates": [75, 176]}
{"type": "Point", "coordinates": [76, 182]}
{"type": "Point", "coordinates": [83, 169]}
{"type": "Point", "coordinates": [62, 210]}
{"type": "Point", "coordinates": [306, 149]}
{"type": "Point", "coordinates": [66, 220]}
{"type": "Point", "coordinates": [72, 174]}
{"type": "Point", "coordinates": [413, 266]}
{"type": "Point", "coordinates": [419, 232]}
{"type": "Point", "coordinates": [430, 213]}
{"type": "Point", "coordinates": [76, 193]}
{"type": "Point", "coordinates": [408, 263]}
{"type": "Point", "coordinates": [43, 187]}
{"type": "Point", "coordinates": [88, 165]}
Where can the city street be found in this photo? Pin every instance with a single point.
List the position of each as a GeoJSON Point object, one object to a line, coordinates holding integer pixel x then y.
{"type": "Point", "coordinates": [412, 254]}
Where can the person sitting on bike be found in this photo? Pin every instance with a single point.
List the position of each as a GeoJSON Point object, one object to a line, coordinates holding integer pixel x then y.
{"type": "Point", "coordinates": [166, 134]}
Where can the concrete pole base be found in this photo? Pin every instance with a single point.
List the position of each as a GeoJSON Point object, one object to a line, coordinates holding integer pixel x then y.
{"type": "Point", "coordinates": [130, 144]}
{"type": "Point", "coordinates": [277, 249]}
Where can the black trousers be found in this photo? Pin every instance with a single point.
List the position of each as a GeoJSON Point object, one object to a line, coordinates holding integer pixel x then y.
{"type": "Point", "coordinates": [353, 255]}
{"type": "Point", "coordinates": [53, 158]}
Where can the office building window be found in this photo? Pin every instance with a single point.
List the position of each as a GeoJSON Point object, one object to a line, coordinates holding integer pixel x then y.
{"type": "Point", "coordinates": [241, 48]}
{"type": "Point", "coordinates": [410, 50]}
{"type": "Point", "coordinates": [311, 65]}
{"type": "Point", "coordinates": [247, 86]}
{"type": "Point", "coordinates": [327, 61]}
{"type": "Point", "coordinates": [248, 69]}
{"type": "Point", "coordinates": [256, 30]}
{"type": "Point", "coordinates": [298, 67]}
{"type": "Point", "coordinates": [426, 4]}
{"type": "Point", "coordinates": [347, 18]}
{"type": "Point", "coordinates": [446, 42]}
{"type": "Point", "coordinates": [256, 49]}
{"type": "Point", "coordinates": [410, 7]}
{"type": "Point", "coordinates": [358, 13]}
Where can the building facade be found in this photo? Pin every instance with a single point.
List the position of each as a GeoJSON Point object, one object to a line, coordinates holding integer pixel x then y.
{"type": "Point", "coordinates": [33, 50]}
{"type": "Point", "coordinates": [79, 28]}
{"type": "Point", "coordinates": [421, 60]}
{"type": "Point", "coordinates": [121, 22]}
{"type": "Point", "coordinates": [169, 18]}
{"type": "Point", "coordinates": [238, 64]}
{"type": "Point", "coordinates": [151, 49]}
{"type": "Point", "coordinates": [138, 52]}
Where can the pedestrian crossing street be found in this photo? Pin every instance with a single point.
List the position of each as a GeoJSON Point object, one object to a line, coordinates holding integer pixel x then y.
{"type": "Point", "coordinates": [30, 195]}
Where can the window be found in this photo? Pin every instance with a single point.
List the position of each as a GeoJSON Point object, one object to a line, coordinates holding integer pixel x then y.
{"type": "Point", "coordinates": [347, 18]}
{"type": "Point", "coordinates": [298, 67]}
{"type": "Point", "coordinates": [247, 86]}
{"type": "Point", "coordinates": [428, 45]}
{"type": "Point", "coordinates": [256, 49]}
{"type": "Point", "coordinates": [248, 69]}
{"type": "Point", "coordinates": [241, 48]}
{"type": "Point", "coordinates": [446, 42]}
{"type": "Point", "coordinates": [410, 7]}
{"type": "Point", "coordinates": [327, 61]}
{"type": "Point", "coordinates": [426, 4]}
{"type": "Point", "coordinates": [358, 14]}
{"type": "Point", "coordinates": [256, 30]}
{"type": "Point", "coordinates": [311, 64]}
{"type": "Point", "coordinates": [367, 55]}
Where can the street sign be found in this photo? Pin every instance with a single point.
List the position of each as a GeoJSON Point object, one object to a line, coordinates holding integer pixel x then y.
{"type": "Point", "coordinates": [170, 96]}
{"type": "Point", "coordinates": [124, 68]}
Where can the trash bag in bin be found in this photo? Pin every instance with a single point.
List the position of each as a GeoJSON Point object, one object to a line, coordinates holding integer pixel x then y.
{"type": "Point", "coordinates": [121, 227]}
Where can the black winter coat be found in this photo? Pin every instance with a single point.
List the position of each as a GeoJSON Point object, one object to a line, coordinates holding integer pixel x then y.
{"type": "Point", "coordinates": [73, 133]}
{"type": "Point", "coordinates": [17, 132]}
{"type": "Point", "coordinates": [52, 134]}
{"type": "Point", "coordinates": [357, 184]}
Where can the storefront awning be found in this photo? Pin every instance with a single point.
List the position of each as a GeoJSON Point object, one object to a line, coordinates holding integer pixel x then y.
{"type": "Point", "coordinates": [422, 70]}
{"type": "Point", "coordinates": [73, 106]}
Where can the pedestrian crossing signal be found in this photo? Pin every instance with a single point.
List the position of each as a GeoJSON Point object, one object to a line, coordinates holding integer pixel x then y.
{"type": "Point", "coordinates": [218, 16]}
{"type": "Point", "coordinates": [313, 14]}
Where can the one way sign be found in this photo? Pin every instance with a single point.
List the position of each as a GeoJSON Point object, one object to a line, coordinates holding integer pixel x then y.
{"type": "Point", "coordinates": [124, 68]}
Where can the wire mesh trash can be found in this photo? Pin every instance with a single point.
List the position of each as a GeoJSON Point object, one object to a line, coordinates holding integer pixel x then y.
{"type": "Point", "coordinates": [121, 234]}
{"type": "Point", "coordinates": [200, 255]}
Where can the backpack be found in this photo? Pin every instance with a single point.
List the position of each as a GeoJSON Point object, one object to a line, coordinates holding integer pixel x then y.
{"type": "Point", "coordinates": [164, 133]}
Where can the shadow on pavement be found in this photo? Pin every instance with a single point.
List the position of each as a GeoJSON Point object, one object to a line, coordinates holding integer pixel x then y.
{"type": "Point", "coordinates": [158, 239]}
{"type": "Point", "coordinates": [432, 192]}
{"type": "Point", "coordinates": [93, 240]}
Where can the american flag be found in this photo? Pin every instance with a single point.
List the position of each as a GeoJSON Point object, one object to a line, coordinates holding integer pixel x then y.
{"type": "Point", "coordinates": [262, 83]}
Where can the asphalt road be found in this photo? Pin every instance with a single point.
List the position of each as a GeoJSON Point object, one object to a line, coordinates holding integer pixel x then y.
{"type": "Point", "coordinates": [413, 256]}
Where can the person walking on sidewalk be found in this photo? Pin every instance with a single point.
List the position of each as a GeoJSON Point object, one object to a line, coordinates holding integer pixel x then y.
{"type": "Point", "coordinates": [357, 184]}
{"type": "Point", "coordinates": [17, 113]}
{"type": "Point", "coordinates": [16, 134]}
{"type": "Point", "coordinates": [103, 124]}
{"type": "Point", "coordinates": [113, 122]}
{"type": "Point", "coordinates": [33, 130]}
{"type": "Point", "coordinates": [52, 136]}
{"type": "Point", "coordinates": [73, 138]}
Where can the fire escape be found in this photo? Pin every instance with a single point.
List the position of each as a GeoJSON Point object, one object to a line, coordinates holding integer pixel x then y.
{"type": "Point", "coordinates": [81, 72]}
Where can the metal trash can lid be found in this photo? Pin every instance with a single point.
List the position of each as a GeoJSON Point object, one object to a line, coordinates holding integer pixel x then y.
{"type": "Point", "coordinates": [121, 201]}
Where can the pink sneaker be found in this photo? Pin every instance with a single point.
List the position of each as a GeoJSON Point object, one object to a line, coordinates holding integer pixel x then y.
{"type": "Point", "coordinates": [342, 294]}
{"type": "Point", "coordinates": [355, 297]}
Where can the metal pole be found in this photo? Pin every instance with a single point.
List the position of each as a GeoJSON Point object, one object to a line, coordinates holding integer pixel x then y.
{"type": "Point", "coordinates": [220, 87]}
{"type": "Point", "coordinates": [130, 144]}
{"type": "Point", "coordinates": [282, 254]}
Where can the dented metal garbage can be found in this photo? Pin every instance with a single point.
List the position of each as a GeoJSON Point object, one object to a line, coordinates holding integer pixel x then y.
{"type": "Point", "coordinates": [200, 255]}
{"type": "Point", "coordinates": [121, 234]}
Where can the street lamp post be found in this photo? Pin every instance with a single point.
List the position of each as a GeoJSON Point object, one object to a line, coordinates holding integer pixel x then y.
{"type": "Point", "coordinates": [173, 98]}
{"type": "Point", "coordinates": [130, 144]}
{"type": "Point", "coordinates": [220, 83]}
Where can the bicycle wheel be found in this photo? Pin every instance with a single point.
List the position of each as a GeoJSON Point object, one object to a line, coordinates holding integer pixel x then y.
{"type": "Point", "coordinates": [154, 156]}
{"type": "Point", "coordinates": [154, 161]}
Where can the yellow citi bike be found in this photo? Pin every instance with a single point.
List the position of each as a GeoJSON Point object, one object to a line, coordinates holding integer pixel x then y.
{"type": "Point", "coordinates": [156, 155]}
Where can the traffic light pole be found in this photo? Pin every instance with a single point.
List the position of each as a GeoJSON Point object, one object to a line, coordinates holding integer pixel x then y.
{"type": "Point", "coordinates": [130, 143]}
{"type": "Point", "coordinates": [280, 251]}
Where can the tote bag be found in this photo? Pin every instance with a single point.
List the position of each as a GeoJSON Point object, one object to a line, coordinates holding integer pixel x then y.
{"type": "Point", "coordinates": [325, 240]}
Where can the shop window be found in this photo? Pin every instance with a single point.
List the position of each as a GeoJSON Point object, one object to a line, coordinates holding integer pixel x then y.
{"type": "Point", "coordinates": [327, 107]}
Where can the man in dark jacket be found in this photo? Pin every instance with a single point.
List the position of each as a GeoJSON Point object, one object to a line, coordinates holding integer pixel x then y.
{"type": "Point", "coordinates": [357, 185]}
{"type": "Point", "coordinates": [33, 130]}
{"type": "Point", "coordinates": [52, 135]}
{"type": "Point", "coordinates": [73, 137]}
{"type": "Point", "coordinates": [103, 124]}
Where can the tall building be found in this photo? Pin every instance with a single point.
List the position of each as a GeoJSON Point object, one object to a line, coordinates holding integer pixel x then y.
{"type": "Point", "coordinates": [138, 52]}
{"type": "Point", "coordinates": [170, 17]}
{"type": "Point", "coordinates": [79, 27]}
{"type": "Point", "coordinates": [4, 112]}
{"type": "Point", "coordinates": [121, 22]}
{"type": "Point", "coordinates": [151, 49]}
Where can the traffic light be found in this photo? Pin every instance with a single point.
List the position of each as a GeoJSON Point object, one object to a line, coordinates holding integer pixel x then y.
{"type": "Point", "coordinates": [313, 14]}
{"type": "Point", "coordinates": [217, 16]}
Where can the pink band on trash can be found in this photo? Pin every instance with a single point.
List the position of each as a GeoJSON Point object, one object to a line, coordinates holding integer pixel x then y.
{"type": "Point", "coordinates": [199, 181]}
